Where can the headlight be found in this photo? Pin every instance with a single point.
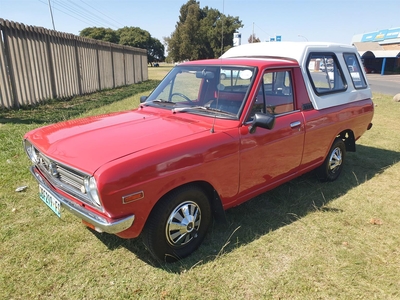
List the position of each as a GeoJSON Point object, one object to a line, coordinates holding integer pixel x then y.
{"type": "Point", "coordinates": [91, 189]}
{"type": "Point", "coordinates": [31, 152]}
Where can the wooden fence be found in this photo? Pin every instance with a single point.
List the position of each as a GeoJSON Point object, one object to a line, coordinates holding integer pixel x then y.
{"type": "Point", "coordinates": [37, 64]}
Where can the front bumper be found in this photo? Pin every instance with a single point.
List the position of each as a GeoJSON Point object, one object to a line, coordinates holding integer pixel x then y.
{"type": "Point", "coordinates": [100, 223]}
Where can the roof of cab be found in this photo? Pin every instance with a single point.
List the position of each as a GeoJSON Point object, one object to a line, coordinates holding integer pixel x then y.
{"type": "Point", "coordinates": [245, 61]}
{"type": "Point", "coordinates": [289, 50]}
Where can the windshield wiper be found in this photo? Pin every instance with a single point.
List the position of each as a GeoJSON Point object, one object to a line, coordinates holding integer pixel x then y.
{"type": "Point", "coordinates": [207, 108]}
{"type": "Point", "coordinates": [160, 101]}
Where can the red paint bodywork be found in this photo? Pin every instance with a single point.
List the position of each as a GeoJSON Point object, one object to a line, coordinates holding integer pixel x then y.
{"type": "Point", "coordinates": [155, 151]}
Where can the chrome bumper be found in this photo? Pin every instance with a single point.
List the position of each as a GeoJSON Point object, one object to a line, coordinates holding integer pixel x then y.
{"type": "Point", "coordinates": [100, 223]}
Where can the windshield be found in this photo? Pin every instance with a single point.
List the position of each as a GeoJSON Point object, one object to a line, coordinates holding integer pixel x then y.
{"type": "Point", "coordinates": [209, 90]}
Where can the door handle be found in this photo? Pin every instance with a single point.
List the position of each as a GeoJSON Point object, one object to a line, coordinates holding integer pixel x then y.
{"type": "Point", "coordinates": [295, 124]}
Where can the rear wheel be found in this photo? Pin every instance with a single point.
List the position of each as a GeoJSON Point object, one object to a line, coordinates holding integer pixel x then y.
{"type": "Point", "coordinates": [178, 224]}
{"type": "Point", "coordinates": [333, 164]}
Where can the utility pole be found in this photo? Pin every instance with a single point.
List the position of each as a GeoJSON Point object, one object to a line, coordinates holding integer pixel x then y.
{"type": "Point", "coordinates": [51, 14]}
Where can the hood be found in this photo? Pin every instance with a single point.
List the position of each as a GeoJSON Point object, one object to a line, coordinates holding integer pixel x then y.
{"type": "Point", "coordinates": [86, 144]}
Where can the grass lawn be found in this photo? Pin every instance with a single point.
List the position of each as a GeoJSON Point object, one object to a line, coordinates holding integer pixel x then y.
{"type": "Point", "coordinates": [303, 240]}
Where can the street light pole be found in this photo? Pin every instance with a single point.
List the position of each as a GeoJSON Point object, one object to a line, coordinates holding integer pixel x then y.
{"type": "Point", "coordinates": [303, 37]}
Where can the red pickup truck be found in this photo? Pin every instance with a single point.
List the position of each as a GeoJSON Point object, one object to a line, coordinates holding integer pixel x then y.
{"type": "Point", "coordinates": [213, 134]}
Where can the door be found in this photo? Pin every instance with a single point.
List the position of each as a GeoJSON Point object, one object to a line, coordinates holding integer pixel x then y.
{"type": "Point", "coordinates": [270, 156]}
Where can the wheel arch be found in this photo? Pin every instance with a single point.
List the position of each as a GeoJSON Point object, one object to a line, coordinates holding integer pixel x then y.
{"type": "Point", "coordinates": [212, 195]}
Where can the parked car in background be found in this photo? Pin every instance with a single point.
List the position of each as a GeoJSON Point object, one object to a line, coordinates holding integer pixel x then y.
{"type": "Point", "coordinates": [329, 67]}
{"type": "Point", "coordinates": [229, 73]}
{"type": "Point", "coordinates": [200, 144]}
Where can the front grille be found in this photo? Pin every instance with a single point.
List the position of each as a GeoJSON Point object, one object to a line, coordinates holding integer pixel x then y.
{"type": "Point", "coordinates": [64, 178]}
{"type": "Point", "coordinates": [69, 177]}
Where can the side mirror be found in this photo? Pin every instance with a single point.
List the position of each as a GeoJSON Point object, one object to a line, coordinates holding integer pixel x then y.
{"type": "Point", "coordinates": [143, 99]}
{"type": "Point", "coordinates": [262, 120]}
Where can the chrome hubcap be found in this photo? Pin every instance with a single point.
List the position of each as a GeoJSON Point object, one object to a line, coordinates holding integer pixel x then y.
{"type": "Point", "coordinates": [183, 223]}
{"type": "Point", "coordinates": [335, 160]}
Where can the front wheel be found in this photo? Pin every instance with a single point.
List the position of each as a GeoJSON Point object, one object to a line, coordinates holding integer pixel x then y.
{"type": "Point", "coordinates": [333, 164]}
{"type": "Point", "coordinates": [178, 224]}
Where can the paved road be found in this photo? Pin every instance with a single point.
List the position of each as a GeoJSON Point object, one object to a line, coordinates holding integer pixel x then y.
{"type": "Point", "coordinates": [386, 84]}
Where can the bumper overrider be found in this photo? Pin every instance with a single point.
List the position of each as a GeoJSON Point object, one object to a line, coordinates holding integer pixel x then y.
{"type": "Point", "coordinates": [99, 223]}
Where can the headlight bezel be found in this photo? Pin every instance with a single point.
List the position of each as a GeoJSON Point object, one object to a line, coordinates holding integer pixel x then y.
{"type": "Point", "coordinates": [92, 190]}
{"type": "Point", "coordinates": [31, 152]}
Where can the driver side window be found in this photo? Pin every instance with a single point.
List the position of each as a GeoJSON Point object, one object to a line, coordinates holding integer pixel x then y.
{"type": "Point", "coordinates": [275, 94]}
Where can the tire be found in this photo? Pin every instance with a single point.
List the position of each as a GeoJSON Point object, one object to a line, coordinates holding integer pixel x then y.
{"type": "Point", "coordinates": [333, 164]}
{"type": "Point", "coordinates": [178, 224]}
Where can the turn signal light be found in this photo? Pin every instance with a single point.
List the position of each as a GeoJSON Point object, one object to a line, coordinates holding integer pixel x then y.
{"type": "Point", "coordinates": [91, 226]}
{"type": "Point", "coordinates": [133, 197]}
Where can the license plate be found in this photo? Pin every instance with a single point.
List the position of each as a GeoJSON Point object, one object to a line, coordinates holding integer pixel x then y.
{"type": "Point", "coordinates": [50, 200]}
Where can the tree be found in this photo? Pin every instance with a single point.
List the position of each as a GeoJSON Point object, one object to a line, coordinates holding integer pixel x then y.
{"type": "Point", "coordinates": [156, 51]}
{"type": "Point", "coordinates": [201, 33]}
{"type": "Point", "coordinates": [253, 39]}
{"type": "Point", "coordinates": [183, 42]}
{"type": "Point", "coordinates": [129, 36]}
{"type": "Point", "coordinates": [100, 33]}
{"type": "Point", "coordinates": [133, 36]}
{"type": "Point", "coordinates": [137, 37]}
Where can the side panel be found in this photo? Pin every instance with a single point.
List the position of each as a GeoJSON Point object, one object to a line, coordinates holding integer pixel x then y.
{"type": "Point", "coordinates": [323, 126]}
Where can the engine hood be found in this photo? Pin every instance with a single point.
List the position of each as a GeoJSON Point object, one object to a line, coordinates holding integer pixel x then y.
{"type": "Point", "coordinates": [86, 144]}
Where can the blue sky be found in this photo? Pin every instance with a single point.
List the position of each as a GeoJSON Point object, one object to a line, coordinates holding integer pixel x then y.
{"type": "Point", "coordinates": [294, 20]}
